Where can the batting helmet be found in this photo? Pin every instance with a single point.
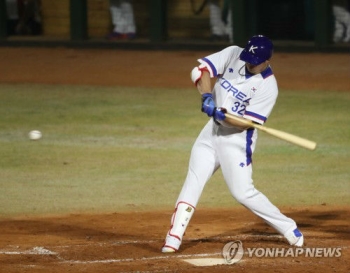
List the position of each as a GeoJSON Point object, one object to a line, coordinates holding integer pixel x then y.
{"type": "Point", "coordinates": [258, 49]}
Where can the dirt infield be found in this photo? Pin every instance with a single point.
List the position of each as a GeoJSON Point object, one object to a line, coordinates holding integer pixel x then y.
{"type": "Point", "coordinates": [131, 241]}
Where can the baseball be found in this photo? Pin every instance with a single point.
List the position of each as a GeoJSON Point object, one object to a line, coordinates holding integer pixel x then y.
{"type": "Point", "coordinates": [35, 135]}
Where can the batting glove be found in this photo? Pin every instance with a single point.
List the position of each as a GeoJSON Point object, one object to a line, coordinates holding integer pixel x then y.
{"type": "Point", "coordinates": [208, 104]}
{"type": "Point", "coordinates": [219, 114]}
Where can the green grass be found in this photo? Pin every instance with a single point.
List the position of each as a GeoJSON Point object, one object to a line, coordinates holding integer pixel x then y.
{"type": "Point", "coordinates": [110, 149]}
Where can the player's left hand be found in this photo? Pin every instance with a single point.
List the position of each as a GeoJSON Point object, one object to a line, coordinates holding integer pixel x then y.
{"type": "Point", "coordinates": [219, 113]}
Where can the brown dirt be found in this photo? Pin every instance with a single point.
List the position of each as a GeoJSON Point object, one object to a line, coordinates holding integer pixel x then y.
{"type": "Point", "coordinates": [131, 241]}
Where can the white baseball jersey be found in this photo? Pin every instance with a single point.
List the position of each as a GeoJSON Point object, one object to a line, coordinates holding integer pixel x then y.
{"type": "Point", "coordinates": [241, 93]}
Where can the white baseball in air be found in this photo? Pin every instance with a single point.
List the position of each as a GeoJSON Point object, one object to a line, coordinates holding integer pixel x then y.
{"type": "Point", "coordinates": [35, 135]}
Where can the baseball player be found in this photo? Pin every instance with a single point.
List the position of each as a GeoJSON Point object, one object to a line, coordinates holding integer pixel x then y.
{"type": "Point", "coordinates": [245, 86]}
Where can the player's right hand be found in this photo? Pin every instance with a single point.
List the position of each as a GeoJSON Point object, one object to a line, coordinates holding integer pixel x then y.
{"type": "Point", "coordinates": [219, 113]}
{"type": "Point", "coordinates": [208, 104]}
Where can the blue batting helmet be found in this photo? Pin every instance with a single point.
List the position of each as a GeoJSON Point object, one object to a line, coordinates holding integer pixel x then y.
{"type": "Point", "coordinates": [258, 49]}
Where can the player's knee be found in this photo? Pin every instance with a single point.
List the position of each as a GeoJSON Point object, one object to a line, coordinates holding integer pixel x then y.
{"type": "Point", "coordinates": [240, 199]}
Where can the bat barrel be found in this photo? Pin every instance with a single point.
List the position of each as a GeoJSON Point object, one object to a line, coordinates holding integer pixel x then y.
{"type": "Point", "coordinates": [302, 142]}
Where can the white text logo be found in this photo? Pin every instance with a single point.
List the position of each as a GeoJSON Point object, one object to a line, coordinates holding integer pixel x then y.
{"type": "Point", "coordinates": [316, 252]}
{"type": "Point", "coordinates": [233, 252]}
{"type": "Point", "coordinates": [251, 49]}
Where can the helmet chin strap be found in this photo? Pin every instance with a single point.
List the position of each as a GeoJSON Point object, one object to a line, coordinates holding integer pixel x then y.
{"type": "Point", "coordinates": [240, 70]}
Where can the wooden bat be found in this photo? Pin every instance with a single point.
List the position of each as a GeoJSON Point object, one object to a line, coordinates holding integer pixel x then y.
{"type": "Point", "coordinates": [305, 143]}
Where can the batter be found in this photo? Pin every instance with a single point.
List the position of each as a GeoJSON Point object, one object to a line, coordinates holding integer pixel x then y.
{"type": "Point", "coordinates": [245, 86]}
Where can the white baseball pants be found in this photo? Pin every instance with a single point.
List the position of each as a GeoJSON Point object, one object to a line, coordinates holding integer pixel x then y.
{"type": "Point", "coordinates": [216, 147]}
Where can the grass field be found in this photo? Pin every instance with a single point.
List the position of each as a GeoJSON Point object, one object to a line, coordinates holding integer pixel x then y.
{"type": "Point", "coordinates": [113, 149]}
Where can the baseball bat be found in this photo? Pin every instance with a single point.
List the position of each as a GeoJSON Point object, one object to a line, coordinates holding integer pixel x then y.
{"type": "Point", "coordinates": [302, 142]}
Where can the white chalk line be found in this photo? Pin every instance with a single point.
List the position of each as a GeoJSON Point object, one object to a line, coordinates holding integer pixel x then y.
{"type": "Point", "coordinates": [37, 250]}
{"type": "Point", "coordinates": [44, 251]}
{"type": "Point", "coordinates": [166, 257]}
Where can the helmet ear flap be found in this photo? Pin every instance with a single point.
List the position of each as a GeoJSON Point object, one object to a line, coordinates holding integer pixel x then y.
{"type": "Point", "coordinates": [258, 50]}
